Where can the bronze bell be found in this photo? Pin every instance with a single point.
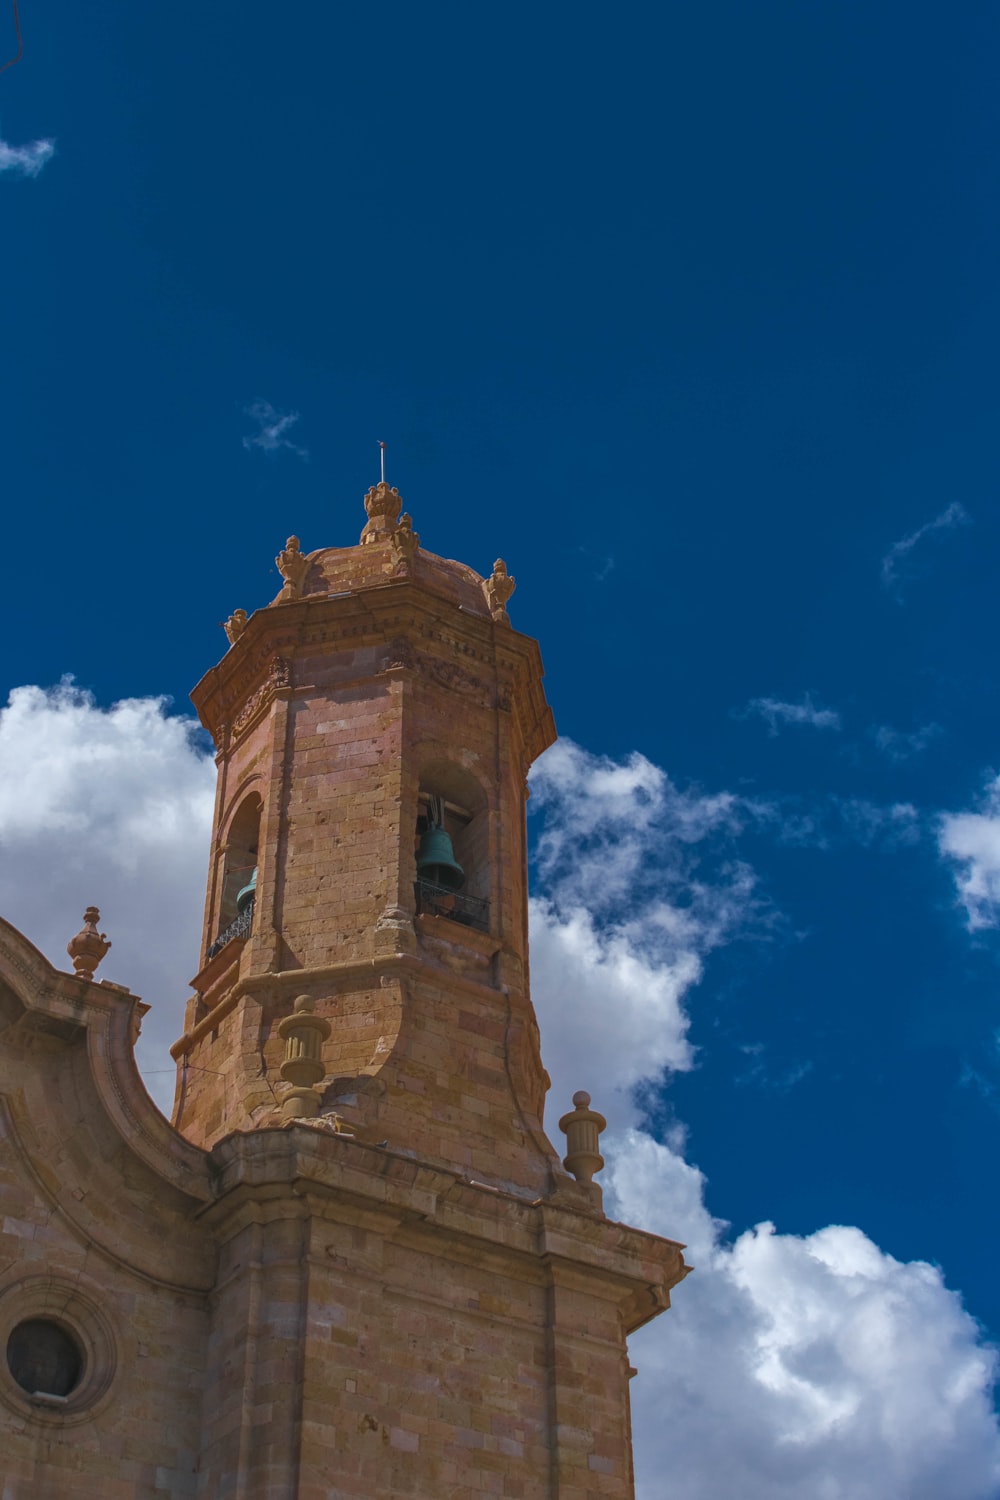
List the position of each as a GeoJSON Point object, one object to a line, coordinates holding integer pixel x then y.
{"type": "Point", "coordinates": [247, 894]}
{"type": "Point", "coordinates": [436, 859]}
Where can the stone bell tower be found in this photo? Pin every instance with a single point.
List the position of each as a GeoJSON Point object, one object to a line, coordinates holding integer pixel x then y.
{"type": "Point", "coordinates": [414, 1296]}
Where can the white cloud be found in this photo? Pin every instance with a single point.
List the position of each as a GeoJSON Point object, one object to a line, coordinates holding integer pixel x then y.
{"type": "Point", "coordinates": [272, 429]}
{"type": "Point", "coordinates": [628, 915]}
{"type": "Point", "coordinates": [111, 807]}
{"type": "Point", "coordinates": [970, 841]}
{"type": "Point", "coordinates": [789, 1366]}
{"type": "Point", "coordinates": [832, 821]}
{"type": "Point", "coordinates": [867, 823]}
{"type": "Point", "coordinates": [899, 745]}
{"type": "Point", "coordinates": [794, 1366]}
{"type": "Point", "coordinates": [897, 562]}
{"type": "Point", "coordinates": [26, 161]}
{"type": "Point", "coordinates": [870, 822]}
{"type": "Point", "coordinates": [778, 715]}
{"type": "Point", "coordinates": [762, 1073]}
{"type": "Point", "coordinates": [587, 977]}
{"type": "Point", "coordinates": [606, 820]}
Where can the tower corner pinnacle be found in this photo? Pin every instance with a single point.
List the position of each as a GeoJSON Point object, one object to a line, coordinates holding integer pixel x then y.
{"type": "Point", "coordinates": [382, 506]}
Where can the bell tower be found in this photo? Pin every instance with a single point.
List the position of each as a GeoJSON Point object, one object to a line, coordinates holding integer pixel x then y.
{"type": "Point", "coordinates": [374, 725]}
{"type": "Point", "coordinates": [415, 1297]}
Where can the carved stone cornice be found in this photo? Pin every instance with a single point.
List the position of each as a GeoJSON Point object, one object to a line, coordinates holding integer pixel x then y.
{"type": "Point", "coordinates": [549, 1240]}
{"type": "Point", "coordinates": [421, 629]}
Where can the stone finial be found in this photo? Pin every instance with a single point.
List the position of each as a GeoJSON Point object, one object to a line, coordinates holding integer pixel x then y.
{"type": "Point", "coordinates": [293, 566]}
{"type": "Point", "coordinates": [498, 589]}
{"type": "Point", "coordinates": [583, 1127]}
{"type": "Point", "coordinates": [89, 946]}
{"type": "Point", "coordinates": [235, 625]}
{"type": "Point", "coordinates": [404, 542]}
{"type": "Point", "coordinates": [383, 505]}
{"type": "Point", "coordinates": [303, 1035]}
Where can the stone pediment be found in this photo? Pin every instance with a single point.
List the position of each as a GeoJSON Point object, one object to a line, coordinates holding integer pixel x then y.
{"type": "Point", "coordinates": [81, 1129]}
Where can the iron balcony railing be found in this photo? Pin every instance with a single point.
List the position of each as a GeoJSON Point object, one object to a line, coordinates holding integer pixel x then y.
{"type": "Point", "coordinates": [438, 901]}
{"type": "Point", "coordinates": [240, 927]}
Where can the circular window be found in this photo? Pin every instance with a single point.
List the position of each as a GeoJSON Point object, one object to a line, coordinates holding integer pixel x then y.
{"type": "Point", "coordinates": [44, 1358]}
{"type": "Point", "coordinates": [61, 1352]}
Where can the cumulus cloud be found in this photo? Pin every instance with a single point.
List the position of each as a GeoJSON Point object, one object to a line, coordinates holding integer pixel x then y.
{"type": "Point", "coordinates": [640, 882]}
{"type": "Point", "coordinates": [897, 564]}
{"type": "Point", "coordinates": [778, 715]}
{"type": "Point", "coordinates": [789, 1365]}
{"type": "Point", "coordinates": [111, 807]}
{"type": "Point", "coordinates": [607, 821]}
{"type": "Point", "coordinates": [272, 429]}
{"type": "Point", "coordinates": [26, 161]}
{"type": "Point", "coordinates": [970, 842]}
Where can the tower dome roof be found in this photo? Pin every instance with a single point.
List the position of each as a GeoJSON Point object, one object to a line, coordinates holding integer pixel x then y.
{"type": "Point", "coordinates": [389, 548]}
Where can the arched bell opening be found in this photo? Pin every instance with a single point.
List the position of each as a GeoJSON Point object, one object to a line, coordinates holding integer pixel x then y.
{"type": "Point", "coordinates": [239, 878]}
{"type": "Point", "coordinates": [452, 846]}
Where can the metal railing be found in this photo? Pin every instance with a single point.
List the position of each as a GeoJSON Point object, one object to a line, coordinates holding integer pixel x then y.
{"type": "Point", "coordinates": [438, 901]}
{"type": "Point", "coordinates": [240, 927]}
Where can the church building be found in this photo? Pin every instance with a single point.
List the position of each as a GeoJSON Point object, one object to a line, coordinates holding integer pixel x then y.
{"type": "Point", "coordinates": [353, 1265]}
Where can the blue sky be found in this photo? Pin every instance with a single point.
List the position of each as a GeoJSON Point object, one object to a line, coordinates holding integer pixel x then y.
{"type": "Point", "coordinates": [691, 314]}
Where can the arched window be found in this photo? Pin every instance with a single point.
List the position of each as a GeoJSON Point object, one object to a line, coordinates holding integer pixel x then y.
{"type": "Point", "coordinates": [239, 879]}
{"type": "Point", "coordinates": [452, 846]}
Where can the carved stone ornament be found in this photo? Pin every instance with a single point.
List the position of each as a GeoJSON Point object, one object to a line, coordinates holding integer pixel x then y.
{"type": "Point", "coordinates": [498, 589]}
{"type": "Point", "coordinates": [403, 543]}
{"type": "Point", "coordinates": [89, 946]}
{"type": "Point", "coordinates": [400, 654]}
{"type": "Point", "coordinates": [303, 1035]}
{"type": "Point", "coordinates": [454, 677]}
{"type": "Point", "coordinates": [583, 1127]}
{"type": "Point", "coordinates": [383, 505]}
{"type": "Point", "coordinates": [235, 625]}
{"type": "Point", "coordinates": [293, 566]}
{"type": "Point", "coordinates": [277, 677]}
